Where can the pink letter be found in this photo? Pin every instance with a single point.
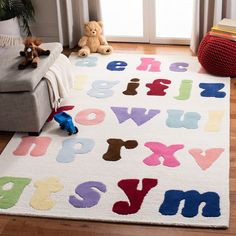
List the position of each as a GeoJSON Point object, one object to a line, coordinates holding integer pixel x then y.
{"type": "Point", "coordinates": [167, 153]}
{"type": "Point", "coordinates": [39, 149]}
{"type": "Point", "coordinates": [155, 65]}
{"type": "Point", "coordinates": [82, 117]}
{"type": "Point", "coordinates": [205, 161]}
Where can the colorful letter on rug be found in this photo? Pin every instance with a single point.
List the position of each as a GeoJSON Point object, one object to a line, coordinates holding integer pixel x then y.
{"type": "Point", "coordinates": [152, 147]}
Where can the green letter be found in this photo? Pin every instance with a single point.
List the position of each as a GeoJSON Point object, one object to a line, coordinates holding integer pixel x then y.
{"type": "Point", "coordinates": [185, 90]}
{"type": "Point", "coordinates": [9, 195]}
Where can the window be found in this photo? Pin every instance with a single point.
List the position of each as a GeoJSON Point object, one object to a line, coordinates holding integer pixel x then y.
{"type": "Point", "coordinates": [123, 20]}
{"type": "Point", "coordinates": [155, 21]}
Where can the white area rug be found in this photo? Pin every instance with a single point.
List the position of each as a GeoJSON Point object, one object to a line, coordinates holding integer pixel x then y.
{"type": "Point", "coordinates": [152, 147]}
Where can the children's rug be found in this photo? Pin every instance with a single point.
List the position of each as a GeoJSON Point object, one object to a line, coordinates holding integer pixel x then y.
{"type": "Point", "coordinates": [152, 147]}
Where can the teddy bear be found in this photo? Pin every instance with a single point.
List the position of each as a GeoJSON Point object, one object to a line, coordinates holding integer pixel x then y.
{"type": "Point", "coordinates": [93, 40]}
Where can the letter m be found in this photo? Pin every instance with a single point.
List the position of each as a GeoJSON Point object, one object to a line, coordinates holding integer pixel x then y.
{"type": "Point", "coordinates": [192, 200]}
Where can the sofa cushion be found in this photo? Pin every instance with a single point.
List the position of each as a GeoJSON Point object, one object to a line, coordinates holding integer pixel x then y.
{"type": "Point", "coordinates": [14, 80]}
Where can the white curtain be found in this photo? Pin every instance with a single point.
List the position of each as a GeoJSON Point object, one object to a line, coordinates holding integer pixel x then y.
{"type": "Point", "coordinates": [206, 14]}
{"type": "Point", "coordinates": [72, 15]}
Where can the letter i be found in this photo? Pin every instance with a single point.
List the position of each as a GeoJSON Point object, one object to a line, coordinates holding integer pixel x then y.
{"type": "Point", "coordinates": [131, 87]}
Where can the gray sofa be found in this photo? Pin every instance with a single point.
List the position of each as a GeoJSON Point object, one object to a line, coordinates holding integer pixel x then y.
{"type": "Point", "coordinates": [24, 98]}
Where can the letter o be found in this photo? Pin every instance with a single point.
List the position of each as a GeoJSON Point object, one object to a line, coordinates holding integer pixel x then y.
{"type": "Point", "coordinates": [82, 117]}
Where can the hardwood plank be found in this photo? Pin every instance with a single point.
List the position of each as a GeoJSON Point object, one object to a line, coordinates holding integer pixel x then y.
{"type": "Point", "coordinates": [4, 139]}
{"type": "Point", "coordinates": [29, 226]}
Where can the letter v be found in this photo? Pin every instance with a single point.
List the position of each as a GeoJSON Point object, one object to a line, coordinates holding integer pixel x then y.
{"type": "Point", "coordinates": [137, 114]}
{"type": "Point", "coordinates": [210, 157]}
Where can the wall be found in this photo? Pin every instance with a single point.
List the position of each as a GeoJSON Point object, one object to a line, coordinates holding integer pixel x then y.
{"type": "Point", "coordinates": [45, 25]}
{"type": "Point", "coordinates": [60, 20]}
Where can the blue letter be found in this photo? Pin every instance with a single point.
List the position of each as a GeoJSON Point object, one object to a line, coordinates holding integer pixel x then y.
{"type": "Point", "coordinates": [67, 152]}
{"type": "Point", "coordinates": [87, 62]}
{"type": "Point", "coordinates": [192, 200]}
{"type": "Point", "coordinates": [212, 90]}
{"type": "Point", "coordinates": [101, 89]}
{"type": "Point", "coordinates": [117, 65]}
{"type": "Point", "coordinates": [189, 121]}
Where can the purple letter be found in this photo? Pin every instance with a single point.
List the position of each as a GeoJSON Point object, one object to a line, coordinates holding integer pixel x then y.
{"type": "Point", "coordinates": [178, 67]}
{"type": "Point", "coordinates": [138, 115]}
{"type": "Point", "coordinates": [88, 194]}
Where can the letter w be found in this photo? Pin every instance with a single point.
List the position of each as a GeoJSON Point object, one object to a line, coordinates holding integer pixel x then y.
{"type": "Point", "coordinates": [138, 115]}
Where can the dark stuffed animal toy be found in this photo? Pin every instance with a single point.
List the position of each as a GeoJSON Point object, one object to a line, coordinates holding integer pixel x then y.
{"type": "Point", "coordinates": [31, 53]}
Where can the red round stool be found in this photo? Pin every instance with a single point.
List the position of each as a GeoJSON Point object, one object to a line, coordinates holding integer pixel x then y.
{"type": "Point", "coordinates": [218, 55]}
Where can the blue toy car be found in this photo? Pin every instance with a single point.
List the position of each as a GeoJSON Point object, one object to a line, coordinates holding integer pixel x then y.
{"type": "Point", "coordinates": [66, 123]}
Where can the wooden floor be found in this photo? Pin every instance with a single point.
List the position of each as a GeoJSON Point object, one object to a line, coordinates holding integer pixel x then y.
{"type": "Point", "coordinates": [20, 226]}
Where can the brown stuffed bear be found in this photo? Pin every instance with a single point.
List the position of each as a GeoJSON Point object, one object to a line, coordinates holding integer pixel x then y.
{"type": "Point", "coordinates": [93, 41]}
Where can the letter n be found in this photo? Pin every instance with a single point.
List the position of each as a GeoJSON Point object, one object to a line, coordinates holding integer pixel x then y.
{"type": "Point", "coordinates": [39, 144]}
